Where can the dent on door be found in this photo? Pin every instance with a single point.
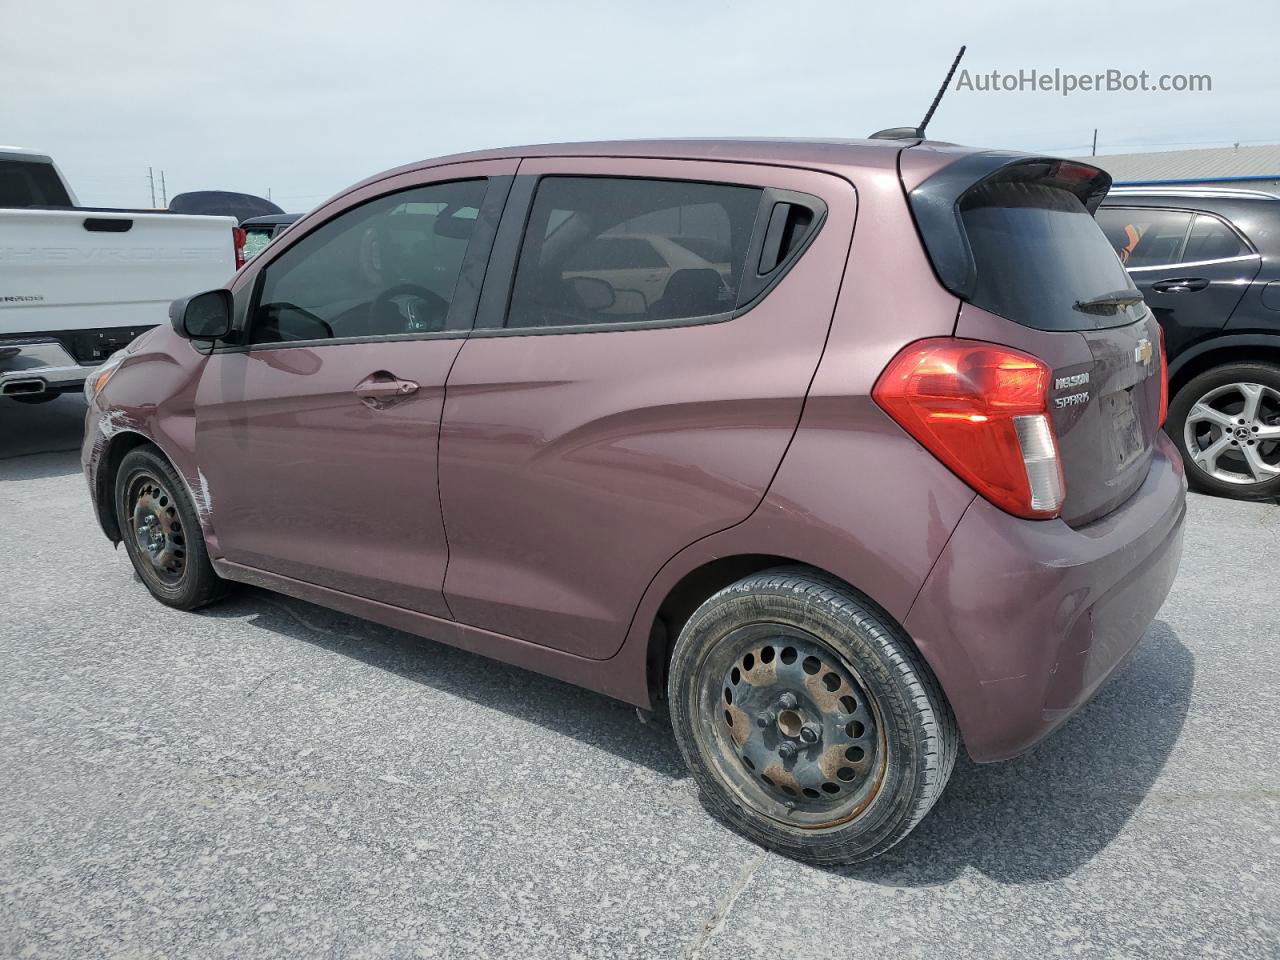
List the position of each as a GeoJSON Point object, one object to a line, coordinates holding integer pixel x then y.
{"type": "Point", "coordinates": [574, 465]}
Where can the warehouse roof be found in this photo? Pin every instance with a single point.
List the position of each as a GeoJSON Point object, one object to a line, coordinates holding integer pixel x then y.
{"type": "Point", "coordinates": [1198, 166]}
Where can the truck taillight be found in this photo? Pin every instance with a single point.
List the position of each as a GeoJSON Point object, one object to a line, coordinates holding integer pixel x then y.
{"type": "Point", "coordinates": [238, 237]}
{"type": "Point", "coordinates": [983, 410]}
{"type": "Point", "coordinates": [1164, 380]}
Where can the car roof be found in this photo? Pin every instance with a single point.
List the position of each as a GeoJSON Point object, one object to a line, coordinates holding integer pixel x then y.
{"type": "Point", "coordinates": [23, 153]}
{"type": "Point", "coordinates": [1207, 198]}
{"type": "Point", "coordinates": [827, 154]}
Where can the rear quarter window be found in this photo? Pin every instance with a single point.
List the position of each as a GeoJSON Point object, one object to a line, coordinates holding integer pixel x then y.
{"type": "Point", "coordinates": [1211, 239]}
{"type": "Point", "coordinates": [25, 183]}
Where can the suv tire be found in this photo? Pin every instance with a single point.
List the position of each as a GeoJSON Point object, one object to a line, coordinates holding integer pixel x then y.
{"type": "Point", "coordinates": [1219, 419]}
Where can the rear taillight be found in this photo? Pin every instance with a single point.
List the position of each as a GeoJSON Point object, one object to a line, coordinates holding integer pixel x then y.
{"type": "Point", "coordinates": [238, 237]}
{"type": "Point", "coordinates": [1164, 380]}
{"type": "Point", "coordinates": [983, 410]}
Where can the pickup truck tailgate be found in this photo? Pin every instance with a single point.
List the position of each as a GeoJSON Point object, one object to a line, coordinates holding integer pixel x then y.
{"type": "Point", "coordinates": [79, 269]}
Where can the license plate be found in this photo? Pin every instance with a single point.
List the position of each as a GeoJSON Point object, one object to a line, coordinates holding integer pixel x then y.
{"type": "Point", "coordinates": [1126, 432]}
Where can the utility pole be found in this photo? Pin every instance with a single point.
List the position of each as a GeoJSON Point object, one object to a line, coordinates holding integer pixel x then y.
{"type": "Point", "coordinates": [1094, 152]}
{"type": "Point", "coordinates": [151, 179]}
{"type": "Point", "coordinates": [164, 194]}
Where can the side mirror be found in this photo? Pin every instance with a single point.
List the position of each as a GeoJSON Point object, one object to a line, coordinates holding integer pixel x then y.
{"type": "Point", "coordinates": [204, 316]}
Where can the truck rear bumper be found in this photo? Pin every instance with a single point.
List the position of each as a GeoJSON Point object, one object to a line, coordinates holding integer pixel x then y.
{"type": "Point", "coordinates": [38, 366]}
{"type": "Point", "coordinates": [1023, 621]}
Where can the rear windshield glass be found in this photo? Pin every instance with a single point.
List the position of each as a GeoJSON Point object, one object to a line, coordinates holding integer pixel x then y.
{"type": "Point", "coordinates": [256, 240]}
{"type": "Point", "coordinates": [31, 184]}
{"type": "Point", "coordinates": [1041, 259]}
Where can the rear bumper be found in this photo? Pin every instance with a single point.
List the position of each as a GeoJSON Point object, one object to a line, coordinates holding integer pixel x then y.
{"type": "Point", "coordinates": [1022, 621]}
{"type": "Point", "coordinates": [38, 366]}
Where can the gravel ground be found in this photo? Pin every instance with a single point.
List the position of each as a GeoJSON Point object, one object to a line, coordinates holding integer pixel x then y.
{"type": "Point", "coordinates": [269, 779]}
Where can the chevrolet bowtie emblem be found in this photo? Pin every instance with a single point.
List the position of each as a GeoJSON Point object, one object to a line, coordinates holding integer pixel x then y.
{"type": "Point", "coordinates": [1142, 352]}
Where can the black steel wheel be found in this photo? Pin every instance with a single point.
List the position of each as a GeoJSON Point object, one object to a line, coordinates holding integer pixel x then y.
{"type": "Point", "coordinates": [156, 528]}
{"type": "Point", "coordinates": [800, 738]}
{"type": "Point", "coordinates": [161, 532]}
{"type": "Point", "coordinates": [807, 717]}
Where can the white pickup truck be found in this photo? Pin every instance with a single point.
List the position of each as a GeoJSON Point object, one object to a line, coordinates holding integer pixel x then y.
{"type": "Point", "coordinates": [79, 283]}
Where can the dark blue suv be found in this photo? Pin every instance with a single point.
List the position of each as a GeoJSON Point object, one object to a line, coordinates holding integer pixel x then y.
{"type": "Point", "coordinates": [1208, 263]}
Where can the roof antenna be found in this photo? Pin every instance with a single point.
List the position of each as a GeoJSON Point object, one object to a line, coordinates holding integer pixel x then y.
{"type": "Point", "coordinates": [917, 133]}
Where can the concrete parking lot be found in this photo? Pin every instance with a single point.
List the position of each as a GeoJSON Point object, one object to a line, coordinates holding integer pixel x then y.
{"type": "Point", "coordinates": [269, 779]}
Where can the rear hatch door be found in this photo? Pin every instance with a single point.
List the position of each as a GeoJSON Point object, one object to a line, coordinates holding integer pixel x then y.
{"type": "Point", "coordinates": [1019, 244]}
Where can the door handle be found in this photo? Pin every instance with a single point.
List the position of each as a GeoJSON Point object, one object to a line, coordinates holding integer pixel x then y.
{"type": "Point", "coordinates": [382, 389]}
{"type": "Point", "coordinates": [1180, 285]}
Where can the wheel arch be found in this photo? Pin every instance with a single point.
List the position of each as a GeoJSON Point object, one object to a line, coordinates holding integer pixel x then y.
{"type": "Point", "coordinates": [1219, 351]}
{"type": "Point", "coordinates": [705, 580]}
{"type": "Point", "coordinates": [114, 451]}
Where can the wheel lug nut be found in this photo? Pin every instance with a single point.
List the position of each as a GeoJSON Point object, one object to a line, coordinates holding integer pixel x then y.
{"type": "Point", "coordinates": [811, 733]}
{"type": "Point", "coordinates": [766, 717]}
{"type": "Point", "coordinates": [786, 750]}
{"type": "Point", "coordinates": [787, 701]}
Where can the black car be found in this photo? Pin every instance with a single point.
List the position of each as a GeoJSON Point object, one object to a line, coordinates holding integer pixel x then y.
{"type": "Point", "coordinates": [1208, 263]}
{"type": "Point", "coordinates": [259, 231]}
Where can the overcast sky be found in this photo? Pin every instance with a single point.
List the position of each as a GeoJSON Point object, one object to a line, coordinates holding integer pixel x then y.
{"type": "Point", "coordinates": [304, 99]}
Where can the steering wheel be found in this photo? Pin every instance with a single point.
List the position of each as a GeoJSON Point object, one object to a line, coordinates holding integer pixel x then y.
{"type": "Point", "coordinates": [429, 320]}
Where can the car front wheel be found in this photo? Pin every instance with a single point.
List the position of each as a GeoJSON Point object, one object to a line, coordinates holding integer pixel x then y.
{"type": "Point", "coordinates": [161, 532]}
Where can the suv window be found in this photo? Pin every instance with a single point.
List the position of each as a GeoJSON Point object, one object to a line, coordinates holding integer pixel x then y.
{"type": "Point", "coordinates": [24, 183]}
{"type": "Point", "coordinates": [387, 267]}
{"type": "Point", "coordinates": [1211, 239]}
{"type": "Point", "coordinates": [1144, 237]}
{"type": "Point", "coordinates": [612, 250]}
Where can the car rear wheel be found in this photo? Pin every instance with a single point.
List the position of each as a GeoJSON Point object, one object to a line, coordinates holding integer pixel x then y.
{"type": "Point", "coordinates": [161, 532]}
{"type": "Point", "coordinates": [808, 720]}
{"type": "Point", "coordinates": [1226, 424]}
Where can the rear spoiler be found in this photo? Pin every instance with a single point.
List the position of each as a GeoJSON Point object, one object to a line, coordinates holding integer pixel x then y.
{"type": "Point", "coordinates": [935, 203]}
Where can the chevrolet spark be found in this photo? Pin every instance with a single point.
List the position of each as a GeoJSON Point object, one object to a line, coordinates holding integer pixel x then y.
{"type": "Point", "coordinates": [842, 452]}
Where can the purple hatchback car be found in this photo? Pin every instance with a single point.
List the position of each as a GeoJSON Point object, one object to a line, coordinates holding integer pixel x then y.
{"type": "Point", "coordinates": [846, 451]}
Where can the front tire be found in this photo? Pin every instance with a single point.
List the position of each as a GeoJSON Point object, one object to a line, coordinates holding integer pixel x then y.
{"type": "Point", "coordinates": [1226, 424]}
{"type": "Point", "coordinates": [807, 718]}
{"type": "Point", "coordinates": [161, 532]}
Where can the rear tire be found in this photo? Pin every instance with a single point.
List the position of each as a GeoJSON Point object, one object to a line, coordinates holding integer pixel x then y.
{"type": "Point", "coordinates": [161, 532]}
{"type": "Point", "coordinates": [1215, 403]}
{"type": "Point", "coordinates": [807, 718]}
